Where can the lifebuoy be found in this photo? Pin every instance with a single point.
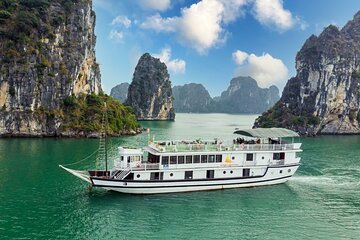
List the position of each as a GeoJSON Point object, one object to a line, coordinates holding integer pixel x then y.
{"type": "Point", "coordinates": [138, 165]}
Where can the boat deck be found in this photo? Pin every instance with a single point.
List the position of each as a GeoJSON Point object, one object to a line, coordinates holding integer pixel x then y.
{"type": "Point", "coordinates": [211, 146]}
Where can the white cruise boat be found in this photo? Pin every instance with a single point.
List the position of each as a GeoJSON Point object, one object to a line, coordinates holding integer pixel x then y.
{"type": "Point", "coordinates": [257, 157]}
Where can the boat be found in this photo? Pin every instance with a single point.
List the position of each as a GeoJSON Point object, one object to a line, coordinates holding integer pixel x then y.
{"type": "Point", "coordinates": [256, 157]}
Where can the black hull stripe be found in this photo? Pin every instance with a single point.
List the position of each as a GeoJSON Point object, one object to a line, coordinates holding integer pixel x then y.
{"type": "Point", "coordinates": [202, 185]}
{"type": "Point", "coordinates": [187, 180]}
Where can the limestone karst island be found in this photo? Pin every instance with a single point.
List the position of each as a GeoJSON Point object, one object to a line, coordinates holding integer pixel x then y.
{"type": "Point", "coordinates": [173, 119]}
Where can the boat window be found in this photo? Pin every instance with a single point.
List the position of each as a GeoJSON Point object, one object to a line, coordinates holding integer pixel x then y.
{"type": "Point", "coordinates": [181, 159]}
{"type": "Point", "coordinates": [128, 159]}
{"type": "Point", "coordinates": [136, 158]}
{"type": "Point", "coordinates": [188, 174]}
{"type": "Point", "coordinates": [154, 176]}
{"type": "Point", "coordinates": [246, 172]}
{"type": "Point", "coordinates": [153, 158]}
{"type": "Point", "coordinates": [249, 156]}
{"type": "Point", "coordinates": [172, 159]}
{"type": "Point", "coordinates": [188, 159]}
{"type": "Point", "coordinates": [122, 158]}
{"type": "Point", "coordinates": [210, 174]}
{"type": "Point", "coordinates": [211, 158]}
{"type": "Point", "coordinates": [218, 158]}
{"type": "Point", "coordinates": [203, 158]}
{"type": "Point", "coordinates": [165, 160]}
{"type": "Point", "coordinates": [279, 156]}
{"type": "Point", "coordinates": [196, 158]}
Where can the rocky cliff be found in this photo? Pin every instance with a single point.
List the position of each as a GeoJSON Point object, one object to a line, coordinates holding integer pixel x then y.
{"type": "Point", "coordinates": [150, 92]}
{"type": "Point", "coordinates": [324, 96]}
{"type": "Point", "coordinates": [120, 92]}
{"type": "Point", "coordinates": [242, 96]}
{"type": "Point", "coordinates": [245, 96]}
{"type": "Point", "coordinates": [47, 57]}
{"type": "Point", "coordinates": [192, 97]}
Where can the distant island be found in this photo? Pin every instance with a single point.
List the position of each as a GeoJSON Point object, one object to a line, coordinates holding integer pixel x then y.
{"type": "Point", "coordinates": [242, 96]}
{"type": "Point", "coordinates": [50, 80]}
{"type": "Point", "coordinates": [150, 93]}
{"type": "Point", "coordinates": [120, 92]}
{"type": "Point", "coordinates": [324, 96]}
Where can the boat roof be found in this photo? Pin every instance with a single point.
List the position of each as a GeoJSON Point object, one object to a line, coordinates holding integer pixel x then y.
{"type": "Point", "coordinates": [267, 133]}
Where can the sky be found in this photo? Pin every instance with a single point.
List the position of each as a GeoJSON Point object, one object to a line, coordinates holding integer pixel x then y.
{"type": "Point", "coordinates": [211, 41]}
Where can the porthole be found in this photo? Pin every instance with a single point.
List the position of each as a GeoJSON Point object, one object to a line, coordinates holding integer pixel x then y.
{"type": "Point", "coordinates": [138, 175]}
{"type": "Point", "coordinates": [280, 171]}
{"type": "Point", "coordinates": [262, 157]}
{"type": "Point", "coordinates": [289, 170]}
{"type": "Point", "coordinates": [224, 172]}
{"type": "Point", "coordinates": [231, 172]}
{"type": "Point", "coordinates": [232, 158]}
{"type": "Point", "coordinates": [171, 174]}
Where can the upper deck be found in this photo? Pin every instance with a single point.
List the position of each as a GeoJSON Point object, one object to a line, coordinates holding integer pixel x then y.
{"type": "Point", "coordinates": [217, 146]}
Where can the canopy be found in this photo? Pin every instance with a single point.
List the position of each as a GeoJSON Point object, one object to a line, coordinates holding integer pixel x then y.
{"type": "Point", "coordinates": [267, 133]}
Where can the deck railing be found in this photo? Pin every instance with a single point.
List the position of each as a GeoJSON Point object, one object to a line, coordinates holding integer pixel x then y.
{"type": "Point", "coordinates": [146, 166]}
{"type": "Point", "coordinates": [220, 147]}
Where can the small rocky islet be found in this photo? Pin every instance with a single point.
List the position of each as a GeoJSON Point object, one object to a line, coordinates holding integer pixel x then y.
{"type": "Point", "coordinates": [150, 93]}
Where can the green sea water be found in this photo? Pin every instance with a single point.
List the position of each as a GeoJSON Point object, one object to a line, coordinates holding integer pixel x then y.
{"type": "Point", "coordinates": [38, 200]}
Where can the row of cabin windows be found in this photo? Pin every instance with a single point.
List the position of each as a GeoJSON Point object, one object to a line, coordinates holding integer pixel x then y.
{"type": "Point", "coordinates": [188, 174]}
{"type": "Point", "coordinates": [191, 159]}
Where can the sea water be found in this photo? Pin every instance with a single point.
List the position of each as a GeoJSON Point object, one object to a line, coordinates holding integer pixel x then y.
{"type": "Point", "coordinates": [38, 200]}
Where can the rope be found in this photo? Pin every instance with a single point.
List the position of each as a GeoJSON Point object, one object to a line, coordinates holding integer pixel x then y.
{"type": "Point", "coordinates": [69, 164]}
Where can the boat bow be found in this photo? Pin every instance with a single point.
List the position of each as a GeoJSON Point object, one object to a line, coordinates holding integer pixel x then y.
{"type": "Point", "coordinates": [84, 175]}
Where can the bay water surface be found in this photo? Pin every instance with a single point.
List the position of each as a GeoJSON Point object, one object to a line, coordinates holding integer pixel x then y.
{"type": "Point", "coordinates": [38, 200]}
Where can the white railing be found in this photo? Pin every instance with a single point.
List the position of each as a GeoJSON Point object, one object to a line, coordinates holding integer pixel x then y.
{"type": "Point", "coordinates": [146, 166]}
{"type": "Point", "coordinates": [220, 147]}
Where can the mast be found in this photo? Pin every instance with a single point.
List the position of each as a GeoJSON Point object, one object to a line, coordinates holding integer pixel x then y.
{"type": "Point", "coordinates": [105, 136]}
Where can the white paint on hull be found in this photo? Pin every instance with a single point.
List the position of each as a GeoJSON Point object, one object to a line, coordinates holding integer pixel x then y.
{"type": "Point", "coordinates": [272, 176]}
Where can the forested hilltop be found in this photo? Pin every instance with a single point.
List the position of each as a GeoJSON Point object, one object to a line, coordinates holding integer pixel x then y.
{"type": "Point", "coordinates": [50, 83]}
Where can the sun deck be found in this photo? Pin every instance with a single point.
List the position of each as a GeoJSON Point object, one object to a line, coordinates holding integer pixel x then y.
{"type": "Point", "coordinates": [216, 146]}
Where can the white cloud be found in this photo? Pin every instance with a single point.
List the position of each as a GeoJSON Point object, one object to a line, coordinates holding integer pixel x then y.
{"type": "Point", "coordinates": [272, 13]}
{"type": "Point", "coordinates": [240, 57]}
{"type": "Point", "coordinates": [200, 26]}
{"type": "Point", "coordinates": [158, 5]}
{"type": "Point", "coordinates": [265, 69]}
{"type": "Point", "coordinates": [232, 9]}
{"type": "Point", "coordinates": [117, 36]}
{"type": "Point", "coordinates": [159, 24]}
{"type": "Point", "coordinates": [121, 20]}
{"type": "Point", "coordinates": [177, 66]}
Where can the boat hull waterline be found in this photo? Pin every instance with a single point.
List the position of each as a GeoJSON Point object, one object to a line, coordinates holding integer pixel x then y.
{"type": "Point", "coordinates": [272, 176]}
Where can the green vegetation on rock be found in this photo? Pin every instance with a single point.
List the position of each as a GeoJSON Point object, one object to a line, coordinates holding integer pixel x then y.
{"type": "Point", "coordinates": [282, 116]}
{"type": "Point", "coordinates": [84, 113]}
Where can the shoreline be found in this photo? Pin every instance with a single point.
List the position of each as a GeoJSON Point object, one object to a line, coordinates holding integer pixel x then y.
{"type": "Point", "coordinates": [73, 135]}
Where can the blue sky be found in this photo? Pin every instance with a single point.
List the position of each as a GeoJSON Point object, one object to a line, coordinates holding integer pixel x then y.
{"type": "Point", "coordinates": [211, 41]}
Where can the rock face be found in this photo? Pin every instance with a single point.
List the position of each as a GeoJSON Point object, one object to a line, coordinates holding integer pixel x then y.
{"type": "Point", "coordinates": [46, 54]}
{"type": "Point", "coordinates": [150, 92]}
{"type": "Point", "coordinates": [245, 96]}
{"type": "Point", "coordinates": [120, 92]}
{"type": "Point", "coordinates": [192, 97]}
{"type": "Point", "coordinates": [324, 97]}
{"type": "Point", "coordinates": [242, 96]}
